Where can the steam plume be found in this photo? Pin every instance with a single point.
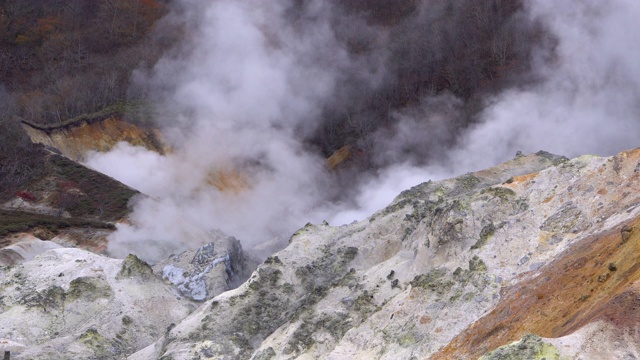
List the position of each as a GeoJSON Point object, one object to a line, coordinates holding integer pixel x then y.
{"type": "Point", "coordinates": [256, 80]}
{"type": "Point", "coordinates": [589, 100]}
{"type": "Point", "coordinates": [235, 104]}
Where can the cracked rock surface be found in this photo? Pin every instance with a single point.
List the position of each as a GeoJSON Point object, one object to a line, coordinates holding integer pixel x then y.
{"type": "Point", "coordinates": [529, 253]}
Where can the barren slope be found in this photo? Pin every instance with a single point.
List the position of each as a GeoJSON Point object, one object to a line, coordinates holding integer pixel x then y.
{"type": "Point", "coordinates": [450, 270]}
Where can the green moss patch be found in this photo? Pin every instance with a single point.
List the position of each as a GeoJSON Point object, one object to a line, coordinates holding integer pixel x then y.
{"type": "Point", "coordinates": [485, 234]}
{"type": "Point", "coordinates": [133, 267]}
{"type": "Point", "coordinates": [435, 280]}
{"type": "Point", "coordinates": [88, 289]}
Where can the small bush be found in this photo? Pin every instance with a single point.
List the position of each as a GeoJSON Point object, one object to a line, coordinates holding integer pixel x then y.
{"type": "Point", "coordinates": [26, 196]}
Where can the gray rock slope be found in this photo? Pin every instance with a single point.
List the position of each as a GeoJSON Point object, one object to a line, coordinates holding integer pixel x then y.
{"type": "Point", "coordinates": [73, 304]}
{"type": "Point", "coordinates": [414, 281]}
{"type": "Point", "coordinates": [399, 284]}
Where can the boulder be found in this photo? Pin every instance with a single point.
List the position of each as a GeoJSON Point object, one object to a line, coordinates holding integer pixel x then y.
{"type": "Point", "coordinates": [207, 271]}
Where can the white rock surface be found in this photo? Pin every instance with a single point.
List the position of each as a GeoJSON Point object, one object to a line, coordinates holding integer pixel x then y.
{"type": "Point", "coordinates": [406, 282]}
{"type": "Point", "coordinates": [70, 303]}
{"type": "Point", "coordinates": [382, 288]}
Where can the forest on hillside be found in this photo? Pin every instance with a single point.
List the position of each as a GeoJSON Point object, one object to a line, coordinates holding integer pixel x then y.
{"type": "Point", "coordinates": [63, 59]}
{"type": "Point", "coordinates": [60, 59]}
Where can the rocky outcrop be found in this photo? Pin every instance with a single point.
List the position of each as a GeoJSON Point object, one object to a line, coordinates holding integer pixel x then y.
{"type": "Point", "coordinates": [208, 271]}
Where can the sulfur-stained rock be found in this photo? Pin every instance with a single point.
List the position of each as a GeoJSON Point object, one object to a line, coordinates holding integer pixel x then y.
{"type": "Point", "coordinates": [76, 139]}
{"type": "Point", "coordinates": [530, 347]}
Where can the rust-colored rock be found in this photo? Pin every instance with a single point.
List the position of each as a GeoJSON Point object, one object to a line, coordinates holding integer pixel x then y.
{"type": "Point", "coordinates": [339, 156]}
{"type": "Point", "coordinates": [566, 295]}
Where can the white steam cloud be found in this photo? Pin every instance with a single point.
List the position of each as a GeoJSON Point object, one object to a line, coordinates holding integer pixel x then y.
{"type": "Point", "coordinates": [249, 86]}
{"type": "Point", "coordinates": [236, 106]}
{"type": "Point", "coordinates": [589, 101]}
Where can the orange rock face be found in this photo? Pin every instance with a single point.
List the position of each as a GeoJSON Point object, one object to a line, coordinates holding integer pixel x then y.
{"type": "Point", "coordinates": [339, 156]}
{"type": "Point", "coordinates": [75, 141]}
{"type": "Point", "coordinates": [594, 280]}
{"type": "Point", "coordinates": [230, 181]}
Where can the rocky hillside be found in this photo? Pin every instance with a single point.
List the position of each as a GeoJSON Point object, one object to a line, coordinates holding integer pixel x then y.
{"type": "Point", "coordinates": [534, 258]}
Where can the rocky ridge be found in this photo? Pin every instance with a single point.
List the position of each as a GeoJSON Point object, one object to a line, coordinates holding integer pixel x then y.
{"type": "Point", "coordinates": [533, 258]}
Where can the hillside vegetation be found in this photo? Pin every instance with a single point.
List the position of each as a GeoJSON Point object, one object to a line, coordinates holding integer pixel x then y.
{"type": "Point", "coordinates": [64, 61]}
{"type": "Point", "coordinates": [68, 186]}
{"type": "Point", "coordinates": [60, 59]}
{"type": "Point", "coordinates": [467, 49]}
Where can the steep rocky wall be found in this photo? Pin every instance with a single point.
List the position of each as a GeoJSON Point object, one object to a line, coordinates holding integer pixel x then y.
{"type": "Point", "coordinates": [592, 280]}
{"type": "Point", "coordinates": [76, 140]}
